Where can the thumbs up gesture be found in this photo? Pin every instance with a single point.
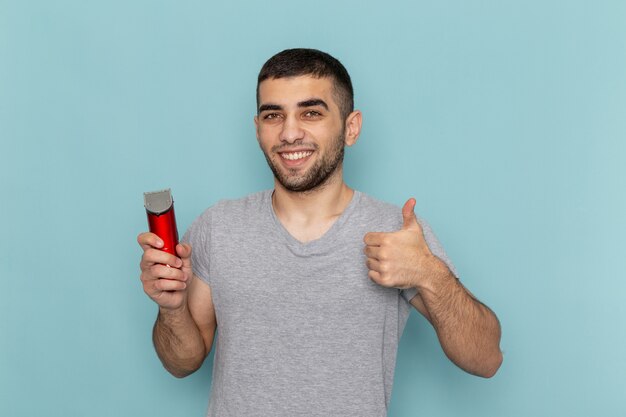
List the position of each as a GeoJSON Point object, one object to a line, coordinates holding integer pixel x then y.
{"type": "Point", "coordinates": [400, 259]}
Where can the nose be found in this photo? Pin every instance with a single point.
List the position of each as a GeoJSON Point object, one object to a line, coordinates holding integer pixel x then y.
{"type": "Point", "coordinates": [291, 130]}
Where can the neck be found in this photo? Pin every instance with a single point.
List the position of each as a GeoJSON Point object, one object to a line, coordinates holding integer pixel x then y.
{"type": "Point", "coordinates": [309, 214]}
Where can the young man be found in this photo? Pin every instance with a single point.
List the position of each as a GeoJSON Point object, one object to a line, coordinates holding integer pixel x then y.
{"type": "Point", "coordinates": [310, 284]}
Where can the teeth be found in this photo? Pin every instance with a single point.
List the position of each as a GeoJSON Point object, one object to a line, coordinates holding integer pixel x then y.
{"type": "Point", "coordinates": [295, 155]}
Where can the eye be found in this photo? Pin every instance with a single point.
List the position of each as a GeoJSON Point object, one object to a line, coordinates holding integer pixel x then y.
{"type": "Point", "coordinates": [312, 114]}
{"type": "Point", "coordinates": [271, 116]}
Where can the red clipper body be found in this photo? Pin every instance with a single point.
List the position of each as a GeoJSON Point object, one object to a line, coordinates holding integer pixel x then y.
{"type": "Point", "coordinates": [161, 219]}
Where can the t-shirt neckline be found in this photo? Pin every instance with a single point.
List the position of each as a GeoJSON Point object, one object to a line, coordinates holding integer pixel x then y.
{"type": "Point", "coordinates": [317, 246]}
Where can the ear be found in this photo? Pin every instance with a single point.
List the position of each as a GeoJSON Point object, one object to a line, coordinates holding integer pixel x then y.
{"type": "Point", "coordinates": [256, 126]}
{"type": "Point", "coordinates": [354, 121]}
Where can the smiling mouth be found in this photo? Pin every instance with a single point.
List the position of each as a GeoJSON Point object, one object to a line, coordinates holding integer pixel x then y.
{"type": "Point", "coordinates": [294, 156]}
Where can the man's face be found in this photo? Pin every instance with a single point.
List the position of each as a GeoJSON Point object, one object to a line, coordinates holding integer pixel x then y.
{"type": "Point", "coordinates": [300, 130]}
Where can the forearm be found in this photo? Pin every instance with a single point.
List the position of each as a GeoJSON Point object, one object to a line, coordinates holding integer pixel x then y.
{"type": "Point", "coordinates": [178, 342]}
{"type": "Point", "coordinates": [468, 331]}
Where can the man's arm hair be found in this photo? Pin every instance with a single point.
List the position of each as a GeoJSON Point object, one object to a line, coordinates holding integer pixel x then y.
{"type": "Point", "coordinates": [183, 338]}
{"type": "Point", "coordinates": [469, 332]}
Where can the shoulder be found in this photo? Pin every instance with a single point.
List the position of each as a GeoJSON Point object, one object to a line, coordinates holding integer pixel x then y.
{"type": "Point", "coordinates": [232, 211]}
{"type": "Point", "coordinates": [373, 205]}
{"type": "Point", "coordinates": [382, 215]}
{"type": "Point", "coordinates": [236, 207]}
{"type": "Point", "coordinates": [388, 215]}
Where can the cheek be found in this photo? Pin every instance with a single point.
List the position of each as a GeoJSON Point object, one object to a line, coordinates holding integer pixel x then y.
{"type": "Point", "coordinates": [263, 134]}
{"type": "Point", "coordinates": [266, 139]}
{"type": "Point", "coordinates": [325, 131]}
{"type": "Point", "coordinates": [268, 131]}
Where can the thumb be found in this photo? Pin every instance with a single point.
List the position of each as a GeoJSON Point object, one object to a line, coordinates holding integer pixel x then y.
{"type": "Point", "coordinates": [408, 216]}
{"type": "Point", "coordinates": [184, 252]}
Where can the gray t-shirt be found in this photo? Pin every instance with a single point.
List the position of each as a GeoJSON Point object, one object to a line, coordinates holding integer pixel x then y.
{"type": "Point", "coordinates": [302, 330]}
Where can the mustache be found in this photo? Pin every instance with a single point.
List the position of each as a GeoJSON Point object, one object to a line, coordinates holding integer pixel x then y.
{"type": "Point", "coordinates": [296, 144]}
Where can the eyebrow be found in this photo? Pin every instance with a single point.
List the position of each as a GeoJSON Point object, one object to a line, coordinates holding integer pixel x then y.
{"type": "Point", "coordinates": [266, 107]}
{"type": "Point", "coordinates": [312, 102]}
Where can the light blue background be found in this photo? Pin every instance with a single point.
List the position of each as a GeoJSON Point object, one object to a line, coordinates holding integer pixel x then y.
{"type": "Point", "coordinates": [506, 120]}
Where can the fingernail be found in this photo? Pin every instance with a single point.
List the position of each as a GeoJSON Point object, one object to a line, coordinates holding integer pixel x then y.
{"type": "Point", "coordinates": [159, 243]}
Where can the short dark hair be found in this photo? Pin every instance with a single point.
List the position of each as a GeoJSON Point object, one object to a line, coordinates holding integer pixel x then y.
{"type": "Point", "coordinates": [301, 61]}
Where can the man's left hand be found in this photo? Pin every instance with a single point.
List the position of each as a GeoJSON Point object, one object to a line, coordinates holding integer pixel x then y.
{"type": "Point", "coordinates": [400, 259]}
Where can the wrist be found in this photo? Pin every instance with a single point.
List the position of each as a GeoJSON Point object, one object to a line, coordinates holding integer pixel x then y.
{"type": "Point", "coordinates": [173, 313]}
{"type": "Point", "coordinates": [433, 274]}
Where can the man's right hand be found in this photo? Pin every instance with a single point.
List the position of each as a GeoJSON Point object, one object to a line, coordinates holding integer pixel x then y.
{"type": "Point", "coordinates": [165, 277]}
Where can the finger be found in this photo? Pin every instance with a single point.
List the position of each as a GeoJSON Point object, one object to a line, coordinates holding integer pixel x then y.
{"type": "Point", "coordinates": [372, 251]}
{"type": "Point", "coordinates": [373, 264]}
{"type": "Point", "coordinates": [169, 285]}
{"type": "Point", "coordinates": [165, 272]}
{"type": "Point", "coordinates": [157, 272]}
{"type": "Point", "coordinates": [373, 238]}
{"type": "Point", "coordinates": [149, 240]}
{"type": "Point", "coordinates": [157, 256]}
{"type": "Point", "coordinates": [184, 251]}
{"type": "Point", "coordinates": [409, 221]}
{"type": "Point", "coordinates": [374, 276]}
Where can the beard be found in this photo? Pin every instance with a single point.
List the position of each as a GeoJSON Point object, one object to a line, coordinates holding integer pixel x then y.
{"type": "Point", "coordinates": [317, 175]}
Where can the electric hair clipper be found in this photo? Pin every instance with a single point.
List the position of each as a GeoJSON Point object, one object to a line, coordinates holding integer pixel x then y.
{"type": "Point", "coordinates": [161, 219]}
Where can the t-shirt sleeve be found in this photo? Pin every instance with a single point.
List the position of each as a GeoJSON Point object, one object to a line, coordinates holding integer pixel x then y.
{"type": "Point", "coordinates": [198, 235]}
{"type": "Point", "coordinates": [435, 247]}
